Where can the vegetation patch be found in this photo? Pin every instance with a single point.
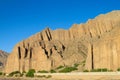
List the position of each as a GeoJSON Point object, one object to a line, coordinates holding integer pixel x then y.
{"type": "Point", "coordinates": [15, 73]}
{"type": "Point", "coordinates": [68, 69]}
{"type": "Point", "coordinates": [2, 74]}
{"type": "Point", "coordinates": [52, 71]}
{"type": "Point", "coordinates": [76, 65]}
{"type": "Point", "coordinates": [43, 71]}
{"type": "Point", "coordinates": [118, 69]}
{"type": "Point", "coordinates": [85, 70]}
{"type": "Point", "coordinates": [30, 73]}
{"type": "Point", "coordinates": [60, 67]}
{"type": "Point", "coordinates": [100, 70]}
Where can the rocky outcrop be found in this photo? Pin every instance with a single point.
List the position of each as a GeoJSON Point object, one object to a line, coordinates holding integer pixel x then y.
{"type": "Point", "coordinates": [44, 51]}
{"type": "Point", "coordinates": [49, 49]}
{"type": "Point", "coordinates": [3, 58]}
{"type": "Point", "coordinates": [104, 52]}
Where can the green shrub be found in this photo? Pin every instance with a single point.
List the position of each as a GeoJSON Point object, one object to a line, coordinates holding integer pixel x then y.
{"type": "Point", "coordinates": [30, 73]}
{"type": "Point", "coordinates": [52, 71]}
{"type": "Point", "coordinates": [76, 65]}
{"type": "Point", "coordinates": [93, 70]}
{"type": "Point", "coordinates": [104, 70]}
{"type": "Point", "coordinates": [118, 69]}
{"type": "Point", "coordinates": [68, 69]}
{"type": "Point", "coordinates": [100, 70]}
{"type": "Point", "coordinates": [86, 71]}
{"type": "Point", "coordinates": [96, 70]}
{"type": "Point", "coordinates": [23, 72]}
{"type": "Point", "coordinates": [1, 73]}
{"type": "Point", "coordinates": [43, 71]}
{"type": "Point", "coordinates": [14, 73]}
{"type": "Point", "coordinates": [59, 67]}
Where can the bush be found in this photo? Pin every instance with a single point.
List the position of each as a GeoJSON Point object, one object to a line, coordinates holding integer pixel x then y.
{"type": "Point", "coordinates": [86, 71]}
{"type": "Point", "coordinates": [43, 71]}
{"type": "Point", "coordinates": [104, 70]}
{"type": "Point", "coordinates": [1, 73]}
{"type": "Point", "coordinates": [118, 69]}
{"type": "Point", "coordinates": [68, 69]}
{"type": "Point", "coordinates": [100, 70]}
{"type": "Point", "coordinates": [76, 65]}
{"type": "Point", "coordinates": [96, 70]}
{"type": "Point", "coordinates": [59, 67]}
{"type": "Point", "coordinates": [52, 71]}
{"type": "Point", "coordinates": [23, 72]}
{"type": "Point", "coordinates": [30, 73]}
{"type": "Point", "coordinates": [14, 73]}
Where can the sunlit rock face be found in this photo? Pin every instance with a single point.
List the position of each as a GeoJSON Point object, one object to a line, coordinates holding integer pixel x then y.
{"type": "Point", "coordinates": [96, 41]}
{"type": "Point", "coordinates": [3, 59]}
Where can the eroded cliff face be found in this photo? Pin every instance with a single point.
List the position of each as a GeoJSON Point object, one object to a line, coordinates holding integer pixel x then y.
{"type": "Point", "coordinates": [3, 59]}
{"type": "Point", "coordinates": [45, 51]}
{"type": "Point", "coordinates": [93, 41]}
{"type": "Point", "coordinates": [104, 52]}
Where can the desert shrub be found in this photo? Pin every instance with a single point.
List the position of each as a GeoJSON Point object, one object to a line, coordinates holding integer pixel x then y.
{"type": "Point", "coordinates": [59, 67]}
{"type": "Point", "coordinates": [1, 73]}
{"type": "Point", "coordinates": [43, 71]}
{"type": "Point", "coordinates": [118, 69]}
{"type": "Point", "coordinates": [52, 71]}
{"type": "Point", "coordinates": [85, 70]}
{"type": "Point", "coordinates": [30, 73]}
{"type": "Point", "coordinates": [96, 70]}
{"type": "Point", "coordinates": [100, 70]}
{"type": "Point", "coordinates": [14, 73]}
{"type": "Point", "coordinates": [68, 69]}
{"type": "Point", "coordinates": [93, 70]}
{"type": "Point", "coordinates": [23, 72]}
{"type": "Point", "coordinates": [76, 65]}
{"type": "Point", "coordinates": [104, 70]}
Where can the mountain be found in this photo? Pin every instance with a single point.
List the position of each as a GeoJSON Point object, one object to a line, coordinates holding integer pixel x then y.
{"type": "Point", "coordinates": [3, 59]}
{"type": "Point", "coordinates": [96, 42]}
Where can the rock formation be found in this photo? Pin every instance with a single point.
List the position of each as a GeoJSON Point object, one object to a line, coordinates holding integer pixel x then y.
{"type": "Point", "coordinates": [96, 41]}
{"type": "Point", "coordinates": [3, 58]}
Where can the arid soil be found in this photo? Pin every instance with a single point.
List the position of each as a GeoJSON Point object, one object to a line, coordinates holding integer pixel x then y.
{"type": "Point", "coordinates": [73, 76]}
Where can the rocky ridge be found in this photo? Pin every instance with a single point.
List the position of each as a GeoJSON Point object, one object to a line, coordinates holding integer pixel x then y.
{"type": "Point", "coordinates": [96, 41]}
{"type": "Point", "coordinates": [3, 59]}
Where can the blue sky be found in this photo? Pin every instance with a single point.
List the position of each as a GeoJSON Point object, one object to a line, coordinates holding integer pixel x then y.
{"type": "Point", "coordinates": [20, 19]}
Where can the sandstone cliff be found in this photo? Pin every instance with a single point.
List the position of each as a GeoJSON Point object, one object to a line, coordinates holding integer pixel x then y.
{"type": "Point", "coordinates": [96, 41]}
{"type": "Point", "coordinates": [3, 59]}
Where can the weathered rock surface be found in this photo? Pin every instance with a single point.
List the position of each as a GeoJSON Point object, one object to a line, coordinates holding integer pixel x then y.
{"type": "Point", "coordinates": [104, 52]}
{"type": "Point", "coordinates": [45, 51]}
{"type": "Point", "coordinates": [3, 59]}
{"type": "Point", "coordinates": [96, 41]}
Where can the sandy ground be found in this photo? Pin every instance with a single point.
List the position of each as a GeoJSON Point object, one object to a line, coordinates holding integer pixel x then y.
{"type": "Point", "coordinates": [74, 76]}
